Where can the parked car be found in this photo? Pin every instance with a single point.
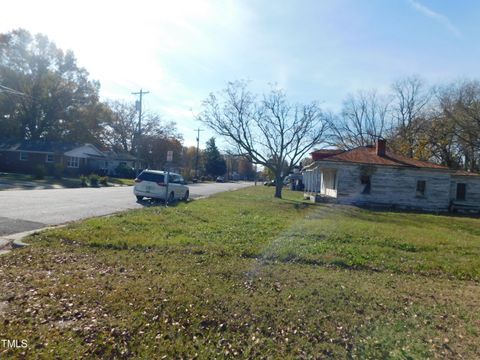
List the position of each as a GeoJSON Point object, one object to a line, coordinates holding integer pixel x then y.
{"type": "Point", "coordinates": [154, 184]}
{"type": "Point", "coordinates": [269, 183]}
{"type": "Point", "coordinates": [220, 179]}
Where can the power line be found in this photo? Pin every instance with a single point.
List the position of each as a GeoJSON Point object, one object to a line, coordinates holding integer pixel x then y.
{"type": "Point", "coordinates": [198, 145]}
{"type": "Point", "coordinates": [11, 91]}
{"type": "Point", "coordinates": [138, 105]}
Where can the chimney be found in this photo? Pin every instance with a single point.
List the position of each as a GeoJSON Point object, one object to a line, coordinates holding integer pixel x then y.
{"type": "Point", "coordinates": [381, 146]}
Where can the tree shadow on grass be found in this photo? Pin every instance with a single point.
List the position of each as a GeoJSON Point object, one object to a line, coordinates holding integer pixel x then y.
{"type": "Point", "coordinates": [301, 204]}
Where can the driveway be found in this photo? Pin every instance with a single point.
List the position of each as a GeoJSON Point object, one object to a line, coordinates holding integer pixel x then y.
{"type": "Point", "coordinates": [22, 210]}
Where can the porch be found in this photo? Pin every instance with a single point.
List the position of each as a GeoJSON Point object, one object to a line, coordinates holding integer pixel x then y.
{"type": "Point", "coordinates": [320, 184]}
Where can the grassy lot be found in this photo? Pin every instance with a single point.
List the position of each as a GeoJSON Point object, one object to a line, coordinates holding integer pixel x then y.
{"type": "Point", "coordinates": [243, 274]}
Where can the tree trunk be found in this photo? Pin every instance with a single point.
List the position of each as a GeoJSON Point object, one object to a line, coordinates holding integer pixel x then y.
{"type": "Point", "coordinates": [278, 187]}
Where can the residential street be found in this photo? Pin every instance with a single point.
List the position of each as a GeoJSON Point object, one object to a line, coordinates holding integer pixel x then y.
{"type": "Point", "coordinates": [23, 210]}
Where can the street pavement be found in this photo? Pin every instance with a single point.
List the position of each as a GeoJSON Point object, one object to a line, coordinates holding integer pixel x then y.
{"type": "Point", "coordinates": [22, 210]}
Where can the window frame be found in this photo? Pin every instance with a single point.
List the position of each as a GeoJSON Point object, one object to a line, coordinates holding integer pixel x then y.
{"type": "Point", "coordinates": [23, 156]}
{"type": "Point", "coordinates": [459, 185]}
{"type": "Point", "coordinates": [73, 162]}
{"type": "Point", "coordinates": [367, 181]}
{"type": "Point", "coordinates": [49, 156]}
{"type": "Point", "coordinates": [421, 191]}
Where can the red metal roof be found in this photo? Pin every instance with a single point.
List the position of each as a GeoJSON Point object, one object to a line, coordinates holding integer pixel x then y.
{"type": "Point", "coordinates": [321, 154]}
{"type": "Point", "coordinates": [368, 155]}
{"type": "Point", "coordinates": [465, 173]}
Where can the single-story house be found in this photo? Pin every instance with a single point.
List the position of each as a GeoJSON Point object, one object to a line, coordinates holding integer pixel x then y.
{"type": "Point", "coordinates": [373, 176]}
{"type": "Point", "coordinates": [111, 160]}
{"type": "Point", "coordinates": [23, 156]}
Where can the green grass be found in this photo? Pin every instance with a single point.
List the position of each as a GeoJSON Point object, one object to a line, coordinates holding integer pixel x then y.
{"type": "Point", "coordinates": [121, 181]}
{"type": "Point", "coordinates": [384, 241]}
{"type": "Point", "coordinates": [242, 274]}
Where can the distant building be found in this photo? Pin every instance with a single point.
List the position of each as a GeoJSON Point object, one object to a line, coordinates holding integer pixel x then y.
{"type": "Point", "coordinates": [373, 176]}
{"type": "Point", "coordinates": [73, 158]}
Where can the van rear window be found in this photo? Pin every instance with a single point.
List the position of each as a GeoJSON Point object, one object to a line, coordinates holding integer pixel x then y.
{"type": "Point", "coordinates": [148, 176]}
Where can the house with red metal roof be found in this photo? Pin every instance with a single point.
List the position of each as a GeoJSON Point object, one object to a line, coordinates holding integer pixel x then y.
{"type": "Point", "coordinates": [374, 176]}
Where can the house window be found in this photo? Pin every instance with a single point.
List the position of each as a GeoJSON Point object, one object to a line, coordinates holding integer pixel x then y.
{"type": "Point", "coordinates": [365, 180]}
{"type": "Point", "coordinates": [421, 186]}
{"type": "Point", "coordinates": [49, 158]}
{"type": "Point", "coordinates": [73, 162]}
{"type": "Point", "coordinates": [24, 156]}
{"type": "Point", "coordinates": [461, 191]}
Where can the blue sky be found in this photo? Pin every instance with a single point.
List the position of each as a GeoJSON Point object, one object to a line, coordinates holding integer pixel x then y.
{"type": "Point", "coordinates": [181, 51]}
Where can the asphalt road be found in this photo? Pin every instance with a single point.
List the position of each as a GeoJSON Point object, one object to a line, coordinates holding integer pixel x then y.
{"type": "Point", "coordinates": [22, 210]}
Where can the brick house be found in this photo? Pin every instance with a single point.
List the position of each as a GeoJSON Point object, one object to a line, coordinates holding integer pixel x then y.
{"type": "Point", "coordinates": [72, 159]}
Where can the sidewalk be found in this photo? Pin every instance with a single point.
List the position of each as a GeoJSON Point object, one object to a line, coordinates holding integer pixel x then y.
{"type": "Point", "coordinates": [26, 185]}
{"type": "Point", "coordinates": [9, 242]}
{"type": "Point", "coordinates": [4, 246]}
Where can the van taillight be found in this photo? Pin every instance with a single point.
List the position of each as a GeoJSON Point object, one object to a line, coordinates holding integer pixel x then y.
{"type": "Point", "coordinates": [138, 180]}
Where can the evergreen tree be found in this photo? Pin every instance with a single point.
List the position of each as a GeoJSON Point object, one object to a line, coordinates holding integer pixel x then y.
{"type": "Point", "coordinates": [215, 164]}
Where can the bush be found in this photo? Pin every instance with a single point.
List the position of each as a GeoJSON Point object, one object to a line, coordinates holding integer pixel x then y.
{"type": "Point", "coordinates": [39, 172]}
{"type": "Point", "coordinates": [125, 171]}
{"type": "Point", "coordinates": [104, 180]}
{"type": "Point", "coordinates": [187, 175]}
{"type": "Point", "coordinates": [94, 179]}
{"type": "Point", "coordinates": [58, 171]}
{"type": "Point", "coordinates": [83, 181]}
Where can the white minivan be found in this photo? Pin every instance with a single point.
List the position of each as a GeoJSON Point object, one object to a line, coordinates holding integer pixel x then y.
{"type": "Point", "coordinates": [155, 184]}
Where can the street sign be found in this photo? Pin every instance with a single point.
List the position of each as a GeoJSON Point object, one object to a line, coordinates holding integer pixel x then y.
{"type": "Point", "coordinates": [169, 155]}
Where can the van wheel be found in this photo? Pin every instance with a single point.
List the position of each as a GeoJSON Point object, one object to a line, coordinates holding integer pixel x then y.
{"type": "Point", "coordinates": [171, 198]}
{"type": "Point", "coordinates": [187, 194]}
{"type": "Point", "coordinates": [139, 198]}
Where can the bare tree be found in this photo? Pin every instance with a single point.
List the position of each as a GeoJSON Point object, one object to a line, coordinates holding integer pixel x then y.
{"type": "Point", "coordinates": [460, 104]}
{"type": "Point", "coordinates": [364, 118]}
{"type": "Point", "coordinates": [121, 130]}
{"type": "Point", "coordinates": [271, 131]}
{"type": "Point", "coordinates": [409, 107]}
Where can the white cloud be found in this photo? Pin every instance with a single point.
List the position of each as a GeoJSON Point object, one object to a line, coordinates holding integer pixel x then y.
{"type": "Point", "coordinates": [442, 19]}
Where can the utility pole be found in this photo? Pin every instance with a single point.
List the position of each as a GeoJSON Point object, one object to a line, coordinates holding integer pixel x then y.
{"type": "Point", "coordinates": [138, 107]}
{"type": "Point", "coordinates": [198, 144]}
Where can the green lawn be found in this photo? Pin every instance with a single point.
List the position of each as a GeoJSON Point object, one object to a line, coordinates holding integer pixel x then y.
{"type": "Point", "coordinates": [121, 181]}
{"type": "Point", "coordinates": [243, 274]}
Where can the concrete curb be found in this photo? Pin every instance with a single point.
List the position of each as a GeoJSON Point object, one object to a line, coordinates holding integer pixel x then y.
{"type": "Point", "coordinates": [16, 240]}
{"type": "Point", "coordinates": [5, 246]}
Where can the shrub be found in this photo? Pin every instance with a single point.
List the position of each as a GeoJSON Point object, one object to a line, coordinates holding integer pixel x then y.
{"type": "Point", "coordinates": [94, 179]}
{"type": "Point", "coordinates": [39, 172]}
{"type": "Point", "coordinates": [125, 171]}
{"type": "Point", "coordinates": [104, 180]}
{"type": "Point", "coordinates": [58, 171]}
{"type": "Point", "coordinates": [83, 181]}
{"type": "Point", "coordinates": [186, 174]}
